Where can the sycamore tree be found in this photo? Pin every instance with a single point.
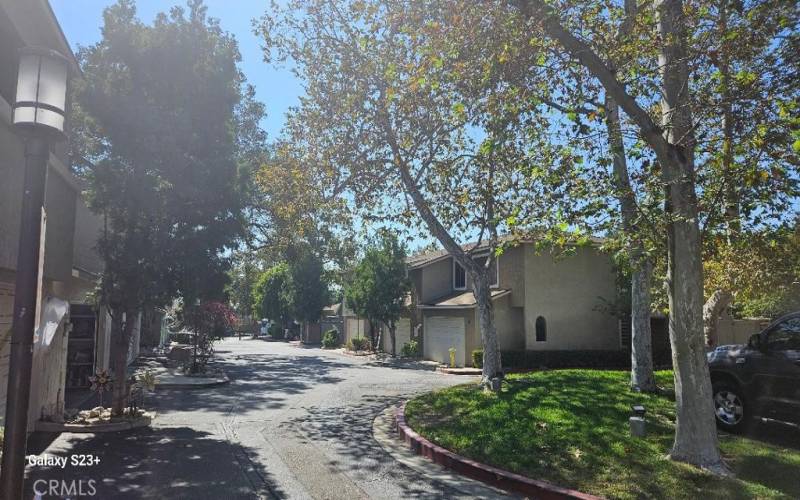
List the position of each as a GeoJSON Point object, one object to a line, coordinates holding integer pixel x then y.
{"type": "Point", "coordinates": [670, 134]}
{"type": "Point", "coordinates": [385, 116]}
{"type": "Point", "coordinates": [379, 286]}
{"type": "Point", "coordinates": [160, 121]}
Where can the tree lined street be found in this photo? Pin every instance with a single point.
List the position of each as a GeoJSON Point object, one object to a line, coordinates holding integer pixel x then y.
{"type": "Point", "coordinates": [594, 206]}
{"type": "Point", "coordinates": [293, 423]}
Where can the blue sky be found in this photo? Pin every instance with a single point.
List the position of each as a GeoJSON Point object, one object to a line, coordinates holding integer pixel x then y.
{"type": "Point", "coordinates": [276, 88]}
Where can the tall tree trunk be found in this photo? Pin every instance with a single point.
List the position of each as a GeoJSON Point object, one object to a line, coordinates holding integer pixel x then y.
{"type": "Point", "coordinates": [642, 377]}
{"type": "Point", "coordinates": [673, 144]}
{"type": "Point", "coordinates": [491, 353]}
{"type": "Point", "coordinates": [393, 337]}
{"type": "Point", "coordinates": [712, 310]}
{"type": "Point", "coordinates": [491, 365]}
{"type": "Point", "coordinates": [695, 430]}
{"type": "Point", "coordinates": [121, 332]}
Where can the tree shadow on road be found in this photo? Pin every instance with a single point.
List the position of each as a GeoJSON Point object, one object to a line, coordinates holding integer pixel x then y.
{"type": "Point", "coordinates": [176, 462]}
{"type": "Point", "coordinates": [349, 430]}
{"type": "Point", "coordinates": [258, 382]}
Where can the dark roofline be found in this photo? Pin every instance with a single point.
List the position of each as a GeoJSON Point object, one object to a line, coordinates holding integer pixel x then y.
{"type": "Point", "coordinates": [419, 261]}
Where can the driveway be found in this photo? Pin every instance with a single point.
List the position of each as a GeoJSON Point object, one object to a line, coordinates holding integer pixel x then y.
{"type": "Point", "coordinates": [294, 422]}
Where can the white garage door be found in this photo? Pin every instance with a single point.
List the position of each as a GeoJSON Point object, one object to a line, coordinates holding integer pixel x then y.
{"type": "Point", "coordinates": [442, 333]}
{"type": "Point", "coordinates": [403, 335]}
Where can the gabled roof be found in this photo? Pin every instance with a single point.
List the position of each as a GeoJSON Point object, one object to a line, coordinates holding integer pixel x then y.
{"type": "Point", "coordinates": [427, 258]}
{"type": "Point", "coordinates": [461, 300]}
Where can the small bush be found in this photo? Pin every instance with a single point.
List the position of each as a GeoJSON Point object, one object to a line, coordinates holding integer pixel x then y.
{"type": "Point", "coordinates": [358, 344]}
{"type": "Point", "coordinates": [330, 339]}
{"type": "Point", "coordinates": [275, 331]}
{"type": "Point", "coordinates": [477, 358]}
{"type": "Point", "coordinates": [410, 349]}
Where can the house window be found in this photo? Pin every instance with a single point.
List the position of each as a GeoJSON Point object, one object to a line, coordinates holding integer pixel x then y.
{"type": "Point", "coordinates": [541, 329]}
{"type": "Point", "coordinates": [459, 276]}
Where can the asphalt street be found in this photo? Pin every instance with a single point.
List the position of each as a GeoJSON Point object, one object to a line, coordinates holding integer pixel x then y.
{"type": "Point", "coordinates": [294, 422]}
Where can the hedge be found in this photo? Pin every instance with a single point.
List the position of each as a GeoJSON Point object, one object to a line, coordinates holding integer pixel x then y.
{"type": "Point", "coordinates": [617, 359]}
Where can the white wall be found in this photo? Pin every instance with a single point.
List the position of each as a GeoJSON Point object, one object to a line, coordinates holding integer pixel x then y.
{"type": "Point", "coordinates": [49, 363]}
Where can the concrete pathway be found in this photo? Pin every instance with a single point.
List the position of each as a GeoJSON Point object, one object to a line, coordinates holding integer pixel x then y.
{"type": "Point", "coordinates": [293, 422]}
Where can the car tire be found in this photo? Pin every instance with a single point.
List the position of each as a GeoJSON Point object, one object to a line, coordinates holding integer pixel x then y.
{"type": "Point", "coordinates": [731, 409]}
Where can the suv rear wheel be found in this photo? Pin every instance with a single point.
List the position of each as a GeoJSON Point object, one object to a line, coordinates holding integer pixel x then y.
{"type": "Point", "coordinates": [730, 407]}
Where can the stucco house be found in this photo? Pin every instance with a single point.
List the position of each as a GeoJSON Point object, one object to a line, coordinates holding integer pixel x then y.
{"type": "Point", "coordinates": [541, 301]}
{"type": "Point", "coordinates": [70, 341]}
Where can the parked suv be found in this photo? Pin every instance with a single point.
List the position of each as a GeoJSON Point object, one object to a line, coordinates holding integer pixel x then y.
{"type": "Point", "coordinates": [760, 379]}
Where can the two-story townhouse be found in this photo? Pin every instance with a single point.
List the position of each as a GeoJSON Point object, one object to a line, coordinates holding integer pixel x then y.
{"type": "Point", "coordinates": [68, 342]}
{"type": "Point", "coordinates": [541, 301]}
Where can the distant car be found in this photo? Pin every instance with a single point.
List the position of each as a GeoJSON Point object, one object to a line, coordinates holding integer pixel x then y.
{"type": "Point", "coordinates": [760, 379]}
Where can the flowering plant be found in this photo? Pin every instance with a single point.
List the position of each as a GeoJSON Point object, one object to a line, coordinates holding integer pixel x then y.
{"type": "Point", "coordinates": [101, 382]}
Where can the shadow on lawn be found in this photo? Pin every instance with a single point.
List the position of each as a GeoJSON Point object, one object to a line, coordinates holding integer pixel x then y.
{"type": "Point", "coordinates": [176, 462]}
{"type": "Point", "coordinates": [571, 428]}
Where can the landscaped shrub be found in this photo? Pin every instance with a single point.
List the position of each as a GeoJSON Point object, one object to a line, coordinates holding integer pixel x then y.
{"type": "Point", "coordinates": [620, 359]}
{"type": "Point", "coordinates": [330, 339]}
{"type": "Point", "coordinates": [410, 349]}
{"type": "Point", "coordinates": [358, 344]}
{"type": "Point", "coordinates": [477, 358]}
{"type": "Point", "coordinates": [275, 331]}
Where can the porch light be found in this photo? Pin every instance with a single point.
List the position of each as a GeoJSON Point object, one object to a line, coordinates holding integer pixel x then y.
{"type": "Point", "coordinates": [41, 90]}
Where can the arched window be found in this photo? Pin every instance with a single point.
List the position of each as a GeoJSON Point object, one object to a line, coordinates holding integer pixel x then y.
{"type": "Point", "coordinates": [541, 329]}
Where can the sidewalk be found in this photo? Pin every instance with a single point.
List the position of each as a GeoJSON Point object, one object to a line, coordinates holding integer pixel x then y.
{"type": "Point", "coordinates": [174, 378]}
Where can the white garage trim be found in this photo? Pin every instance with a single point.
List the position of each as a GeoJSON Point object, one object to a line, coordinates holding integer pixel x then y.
{"type": "Point", "coordinates": [441, 334]}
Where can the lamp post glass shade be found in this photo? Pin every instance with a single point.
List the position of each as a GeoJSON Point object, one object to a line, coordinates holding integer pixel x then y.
{"type": "Point", "coordinates": [41, 89]}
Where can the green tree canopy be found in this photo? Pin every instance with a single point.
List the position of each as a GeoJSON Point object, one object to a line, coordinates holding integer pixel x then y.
{"type": "Point", "coordinates": [162, 127]}
{"type": "Point", "coordinates": [309, 284]}
{"type": "Point", "coordinates": [379, 285]}
{"type": "Point", "coordinates": [272, 294]}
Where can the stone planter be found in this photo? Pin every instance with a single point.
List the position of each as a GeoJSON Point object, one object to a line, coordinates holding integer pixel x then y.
{"type": "Point", "coordinates": [98, 424]}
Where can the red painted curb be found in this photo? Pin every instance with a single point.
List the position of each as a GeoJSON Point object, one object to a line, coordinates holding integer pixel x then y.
{"type": "Point", "coordinates": [491, 475]}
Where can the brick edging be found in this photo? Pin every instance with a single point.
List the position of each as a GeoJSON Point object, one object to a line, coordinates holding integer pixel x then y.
{"type": "Point", "coordinates": [500, 478]}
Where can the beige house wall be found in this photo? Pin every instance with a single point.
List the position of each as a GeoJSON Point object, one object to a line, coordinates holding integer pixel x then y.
{"type": "Point", "coordinates": [512, 275]}
{"type": "Point", "coordinates": [566, 292]}
{"type": "Point", "coordinates": [509, 322]}
{"type": "Point", "coordinates": [437, 280]}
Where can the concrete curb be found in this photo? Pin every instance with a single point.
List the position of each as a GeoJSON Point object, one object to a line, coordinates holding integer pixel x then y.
{"type": "Point", "coordinates": [200, 385]}
{"type": "Point", "coordinates": [384, 431]}
{"type": "Point", "coordinates": [94, 428]}
{"type": "Point", "coordinates": [500, 478]}
{"type": "Point", "coordinates": [459, 371]}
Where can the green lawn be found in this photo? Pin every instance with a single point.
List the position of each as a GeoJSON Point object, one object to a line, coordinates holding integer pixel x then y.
{"type": "Point", "coordinates": [570, 427]}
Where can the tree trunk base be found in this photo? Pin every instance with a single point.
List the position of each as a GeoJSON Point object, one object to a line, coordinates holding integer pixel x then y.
{"type": "Point", "coordinates": [717, 468]}
{"type": "Point", "coordinates": [491, 384]}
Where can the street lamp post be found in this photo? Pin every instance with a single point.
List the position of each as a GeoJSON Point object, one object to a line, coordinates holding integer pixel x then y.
{"type": "Point", "coordinates": [39, 110]}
